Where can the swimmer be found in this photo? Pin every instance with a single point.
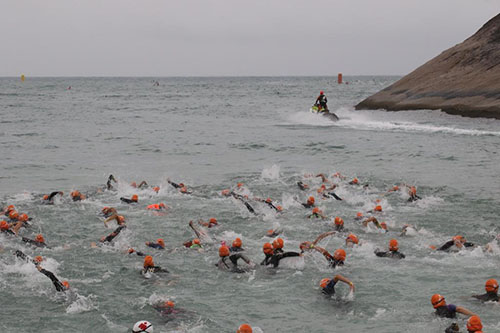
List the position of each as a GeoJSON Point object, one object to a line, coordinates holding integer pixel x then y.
{"type": "Point", "coordinates": [309, 203]}
{"type": "Point", "coordinates": [269, 202]}
{"type": "Point", "coordinates": [306, 246]}
{"type": "Point", "coordinates": [408, 230]}
{"type": "Point", "coordinates": [77, 196]}
{"type": "Point", "coordinates": [359, 216]}
{"type": "Point", "coordinates": [376, 209]}
{"type": "Point", "coordinates": [39, 241]}
{"type": "Point", "coordinates": [317, 213]}
{"type": "Point", "coordinates": [48, 199]}
{"type": "Point", "coordinates": [273, 232]}
{"type": "Point", "coordinates": [149, 266]}
{"type": "Point", "coordinates": [236, 246]}
{"type": "Point", "coordinates": [244, 328]}
{"type": "Point", "coordinates": [112, 235]}
{"type": "Point", "coordinates": [324, 179]}
{"type": "Point", "coordinates": [491, 295]}
{"type": "Point", "coordinates": [199, 233]}
{"type": "Point", "coordinates": [355, 181]}
{"type": "Point", "coordinates": [474, 325]}
{"type": "Point", "coordinates": [328, 285]}
{"type": "Point", "coordinates": [156, 189]}
{"type": "Point", "coordinates": [60, 286]}
{"type": "Point", "coordinates": [302, 186]}
{"type": "Point", "coordinates": [458, 241]}
{"type": "Point", "coordinates": [229, 261]}
{"type": "Point", "coordinates": [412, 192]}
{"type": "Point", "coordinates": [109, 186]}
{"type": "Point", "coordinates": [160, 244]}
{"type": "Point", "coordinates": [157, 207]}
{"type": "Point", "coordinates": [132, 200]}
{"type": "Point", "coordinates": [395, 188]}
{"type": "Point", "coordinates": [339, 224]}
{"type": "Point", "coordinates": [351, 240]}
{"type": "Point", "coordinates": [120, 220]}
{"type": "Point", "coordinates": [167, 308]}
{"type": "Point", "coordinates": [212, 222]}
{"type": "Point", "coordinates": [448, 310]}
{"type": "Point", "coordinates": [5, 228]}
{"type": "Point", "coordinates": [374, 220]}
{"type": "Point", "coordinates": [337, 259]}
{"type": "Point", "coordinates": [193, 244]}
{"type": "Point", "coordinates": [181, 187]}
{"type": "Point", "coordinates": [108, 211]}
{"type": "Point", "coordinates": [242, 199]}
{"type": "Point", "coordinates": [329, 195]}
{"type": "Point", "coordinates": [393, 251]}
{"type": "Point", "coordinates": [139, 253]}
{"type": "Point", "coordinates": [6, 210]}
{"type": "Point", "coordinates": [143, 184]}
{"type": "Point", "coordinates": [278, 244]}
{"type": "Point", "coordinates": [272, 258]}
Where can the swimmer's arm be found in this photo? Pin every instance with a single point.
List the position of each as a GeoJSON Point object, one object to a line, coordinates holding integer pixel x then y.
{"type": "Point", "coordinates": [468, 244]}
{"type": "Point", "coordinates": [59, 286]}
{"type": "Point", "coordinates": [198, 234]}
{"type": "Point", "coordinates": [16, 227]}
{"type": "Point", "coordinates": [323, 235]}
{"type": "Point", "coordinates": [339, 277]}
{"type": "Point", "coordinates": [53, 194]}
{"type": "Point", "coordinates": [380, 254]}
{"type": "Point", "coordinates": [172, 183]}
{"type": "Point", "coordinates": [465, 311]}
{"type": "Point", "coordinates": [142, 183]}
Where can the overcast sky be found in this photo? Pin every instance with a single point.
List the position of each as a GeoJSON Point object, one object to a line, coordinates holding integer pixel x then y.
{"type": "Point", "coordinates": [231, 37]}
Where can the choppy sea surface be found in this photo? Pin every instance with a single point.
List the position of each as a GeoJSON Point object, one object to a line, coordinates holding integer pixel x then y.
{"type": "Point", "coordinates": [212, 133]}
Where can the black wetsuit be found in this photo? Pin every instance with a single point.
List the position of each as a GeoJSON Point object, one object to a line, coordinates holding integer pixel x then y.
{"type": "Point", "coordinates": [33, 242]}
{"type": "Point", "coordinates": [490, 296]}
{"type": "Point", "coordinates": [449, 244]}
{"type": "Point", "coordinates": [302, 186]}
{"type": "Point", "coordinates": [334, 263]}
{"type": "Point", "coordinates": [242, 199]}
{"type": "Point", "coordinates": [236, 249]}
{"type": "Point", "coordinates": [115, 233]}
{"type": "Point", "coordinates": [174, 184]}
{"type": "Point", "coordinates": [126, 200]}
{"type": "Point", "coordinates": [270, 204]}
{"type": "Point", "coordinates": [154, 269]}
{"type": "Point", "coordinates": [340, 228]}
{"type": "Point", "coordinates": [51, 197]}
{"type": "Point", "coordinates": [8, 232]}
{"type": "Point", "coordinates": [330, 288]}
{"type": "Point", "coordinates": [274, 259]}
{"type": "Point", "coordinates": [139, 253]}
{"type": "Point", "coordinates": [109, 186]}
{"type": "Point", "coordinates": [59, 286]}
{"type": "Point", "coordinates": [307, 205]}
{"type": "Point", "coordinates": [413, 198]}
{"type": "Point", "coordinates": [390, 254]}
{"type": "Point", "coordinates": [321, 101]}
{"type": "Point", "coordinates": [233, 265]}
{"type": "Point", "coordinates": [77, 198]}
{"type": "Point", "coordinates": [156, 246]}
{"type": "Point", "coordinates": [447, 311]}
{"type": "Point", "coordinates": [331, 194]}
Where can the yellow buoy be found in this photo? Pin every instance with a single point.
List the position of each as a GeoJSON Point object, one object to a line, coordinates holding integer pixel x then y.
{"type": "Point", "coordinates": [22, 77]}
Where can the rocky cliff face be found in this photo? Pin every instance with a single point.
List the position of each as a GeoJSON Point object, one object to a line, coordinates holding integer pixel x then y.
{"type": "Point", "coordinates": [463, 80]}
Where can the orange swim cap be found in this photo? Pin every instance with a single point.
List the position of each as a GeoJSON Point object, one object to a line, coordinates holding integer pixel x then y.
{"type": "Point", "coordinates": [13, 215]}
{"type": "Point", "coordinates": [4, 225]}
{"type": "Point", "coordinates": [267, 248]}
{"type": "Point", "coordinates": [38, 259]}
{"type": "Point", "coordinates": [213, 220]}
{"type": "Point", "coordinates": [65, 284]}
{"type": "Point", "coordinates": [121, 218]}
{"type": "Point", "coordinates": [245, 328]}
{"type": "Point", "coordinates": [278, 243]}
{"type": "Point", "coordinates": [196, 241]}
{"type": "Point", "coordinates": [181, 185]}
{"type": "Point", "coordinates": [383, 225]}
{"type": "Point", "coordinates": [156, 189]}
{"type": "Point", "coordinates": [162, 205]}
{"type": "Point", "coordinates": [39, 238]}
{"type": "Point", "coordinates": [352, 238]}
{"type": "Point", "coordinates": [393, 245]}
{"type": "Point", "coordinates": [23, 218]}
{"type": "Point", "coordinates": [474, 324]}
{"type": "Point", "coordinates": [46, 197]}
{"type": "Point", "coordinates": [240, 184]}
{"type": "Point", "coordinates": [223, 251]}
{"type": "Point", "coordinates": [339, 255]}
{"type": "Point", "coordinates": [324, 282]}
{"type": "Point", "coordinates": [10, 207]}
{"type": "Point", "coordinates": [225, 192]}
{"type": "Point", "coordinates": [279, 208]}
{"type": "Point", "coordinates": [491, 285]}
{"type": "Point", "coordinates": [237, 242]}
{"type": "Point", "coordinates": [268, 200]}
{"type": "Point", "coordinates": [75, 194]}
{"type": "Point", "coordinates": [359, 214]}
{"type": "Point", "coordinates": [183, 189]}
{"type": "Point", "coordinates": [148, 262]}
{"type": "Point", "coordinates": [310, 200]}
{"type": "Point", "coordinates": [378, 208]}
{"type": "Point", "coordinates": [169, 304]}
{"type": "Point", "coordinates": [339, 221]}
{"type": "Point", "coordinates": [161, 242]}
{"type": "Point", "coordinates": [315, 210]}
{"type": "Point", "coordinates": [437, 301]}
{"type": "Point", "coordinates": [413, 190]}
{"type": "Point", "coordinates": [135, 198]}
{"type": "Point", "coordinates": [355, 181]}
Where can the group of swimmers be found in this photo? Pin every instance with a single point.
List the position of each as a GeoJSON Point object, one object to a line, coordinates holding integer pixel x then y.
{"type": "Point", "coordinates": [232, 256]}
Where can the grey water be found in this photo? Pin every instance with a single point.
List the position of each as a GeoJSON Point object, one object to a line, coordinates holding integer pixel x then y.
{"type": "Point", "coordinates": [212, 133]}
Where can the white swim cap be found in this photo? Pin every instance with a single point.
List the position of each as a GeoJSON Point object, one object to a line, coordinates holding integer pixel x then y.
{"type": "Point", "coordinates": [143, 326]}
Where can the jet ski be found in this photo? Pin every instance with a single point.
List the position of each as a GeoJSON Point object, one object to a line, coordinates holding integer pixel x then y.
{"type": "Point", "coordinates": [324, 112]}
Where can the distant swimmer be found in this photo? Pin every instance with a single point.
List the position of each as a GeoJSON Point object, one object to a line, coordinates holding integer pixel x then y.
{"type": "Point", "coordinates": [339, 224]}
{"type": "Point", "coordinates": [48, 199]}
{"type": "Point", "coordinates": [272, 258]}
{"type": "Point", "coordinates": [212, 222]}
{"type": "Point", "coordinates": [457, 243]}
{"type": "Point", "coordinates": [141, 185]}
{"type": "Point", "coordinates": [181, 187]}
{"type": "Point", "coordinates": [134, 199]}
{"type": "Point", "coordinates": [243, 199]}
{"type": "Point", "coordinates": [244, 328]}
{"type": "Point", "coordinates": [229, 261]}
{"type": "Point", "coordinates": [321, 102]}
{"type": "Point", "coordinates": [278, 244]}
{"type": "Point", "coordinates": [5, 228]}
{"type": "Point", "coordinates": [270, 203]}
{"type": "Point", "coordinates": [359, 216]}
{"type": "Point", "coordinates": [236, 246]}
{"type": "Point", "coordinates": [112, 235]}
{"type": "Point", "coordinates": [156, 189]}
{"type": "Point", "coordinates": [375, 222]}
{"type": "Point", "coordinates": [309, 203]}
{"type": "Point", "coordinates": [157, 207]}
{"type": "Point", "coordinates": [109, 185]}
{"type": "Point", "coordinates": [491, 295]}
{"type": "Point", "coordinates": [395, 188]}
{"type": "Point", "coordinates": [273, 232]}
{"type": "Point", "coordinates": [332, 195]}
{"type": "Point", "coordinates": [77, 196]}
{"type": "Point", "coordinates": [328, 285]}
{"type": "Point", "coordinates": [193, 244]}
{"type": "Point", "coordinates": [108, 211]}
{"type": "Point", "coordinates": [316, 213]}
{"type": "Point", "coordinates": [354, 181]}
{"type": "Point", "coordinates": [302, 186]}
{"type": "Point", "coordinates": [159, 245]}
{"type": "Point", "coordinates": [351, 240]}
{"type": "Point", "coordinates": [139, 253]}
{"type": "Point", "coordinates": [120, 220]}
{"type": "Point", "coordinates": [149, 266]}
{"type": "Point", "coordinates": [167, 308]}
{"type": "Point", "coordinates": [412, 192]}
{"type": "Point", "coordinates": [408, 230]}
{"type": "Point", "coordinates": [324, 178]}
{"type": "Point", "coordinates": [447, 310]}
{"type": "Point", "coordinates": [143, 326]}
{"type": "Point", "coordinates": [39, 241]}
{"type": "Point", "coordinates": [393, 251]}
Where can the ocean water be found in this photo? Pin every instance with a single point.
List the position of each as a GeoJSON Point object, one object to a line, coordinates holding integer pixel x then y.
{"type": "Point", "coordinates": [212, 133]}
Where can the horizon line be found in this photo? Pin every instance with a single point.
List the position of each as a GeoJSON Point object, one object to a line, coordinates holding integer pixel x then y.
{"type": "Point", "coordinates": [190, 76]}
